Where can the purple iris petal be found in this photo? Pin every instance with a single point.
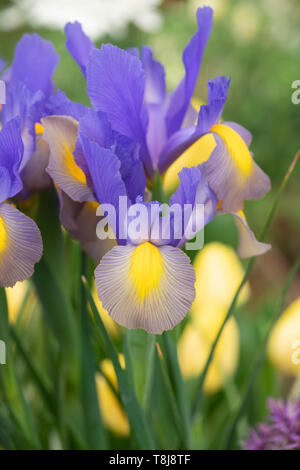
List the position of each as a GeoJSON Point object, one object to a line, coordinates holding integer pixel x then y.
{"type": "Point", "coordinates": [11, 152]}
{"type": "Point", "coordinates": [194, 189]}
{"type": "Point", "coordinates": [78, 44]}
{"type": "Point", "coordinates": [28, 107]}
{"type": "Point", "coordinates": [155, 90]}
{"type": "Point", "coordinates": [96, 127]}
{"type": "Point", "coordinates": [211, 113]}
{"type": "Point", "coordinates": [132, 170]}
{"type": "Point", "coordinates": [59, 104]}
{"type": "Point", "coordinates": [104, 168]}
{"type": "Point", "coordinates": [155, 100]}
{"type": "Point", "coordinates": [192, 58]}
{"type": "Point", "coordinates": [34, 63]}
{"type": "Point", "coordinates": [116, 86]}
{"type": "Point", "coordinates": [208, 116]}
{"type": "Point", "coordinates": [175, 146]}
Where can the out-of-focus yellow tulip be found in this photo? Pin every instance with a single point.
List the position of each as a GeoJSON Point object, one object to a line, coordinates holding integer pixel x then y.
{"type": "Point", "coordinates": [109, 323]}
{"type": "Point", "coordinates": [218, 274]}
{"type": "Point", "coordinates": [284, 342]}
{"type": "Point", "coordinates": [15, 297]}
{"type": "Point", "coordinates": [111, 409]}
{"type": "Point", "coordinates": [195, 344]}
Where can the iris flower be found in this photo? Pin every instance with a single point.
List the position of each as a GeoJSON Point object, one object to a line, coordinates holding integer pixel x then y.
{"type": "Point", "coordinates": [20, 238]}
{"type": "Point", "coordinates": [171, 133]}
{"type": "Point", "coordinates": [91, 162]}
{"type": "Point", "coordinates": [30, 96]}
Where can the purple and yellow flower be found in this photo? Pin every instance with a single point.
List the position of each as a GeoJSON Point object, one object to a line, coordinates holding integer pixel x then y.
{"type": "Point", "coordinates": [90, 162]}
{"type": "Point", "coordinates": [20, 238]}
{"type": "Point", "coordinates": [171, 133]}
{"type": "Point", "coordinates": [30, 96]}
{"type": "Point", "coordinates": [281, 431]}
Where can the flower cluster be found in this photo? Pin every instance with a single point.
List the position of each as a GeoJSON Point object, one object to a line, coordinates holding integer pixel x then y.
{"type": "Point", "coordinates": [134, 131]}
{"type": "Point", "coordinates": [280, 432]}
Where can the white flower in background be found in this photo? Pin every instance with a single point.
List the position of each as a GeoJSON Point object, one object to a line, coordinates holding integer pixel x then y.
{"type": "Point", "coordinates": [98, 17]}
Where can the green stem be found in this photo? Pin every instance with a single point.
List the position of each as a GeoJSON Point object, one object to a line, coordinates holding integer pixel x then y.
{"type": "Point", "coordinates": [261, 354]}
{"type": "Point", "coordinates": [170, 354]}
{"type": "Point", "coordinates": [199, 395]}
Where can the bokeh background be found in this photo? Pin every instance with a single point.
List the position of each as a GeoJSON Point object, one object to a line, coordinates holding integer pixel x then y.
{"type": "Point", "coordinates": [257, 43]}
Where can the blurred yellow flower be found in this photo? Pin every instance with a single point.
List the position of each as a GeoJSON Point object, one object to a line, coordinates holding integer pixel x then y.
{"type": "Point", "coordinates": [218, 274]}
{"type": "Point", "coordinates": [109, 323]}
{"type": "Point", "coordinates": [111, 409]}
{"type": "Point", "coordinates": [15, 297]}
{"type": "Point", "coordinates": [194, 347]}
{"type": "Point", "coordinates": [284, 342]}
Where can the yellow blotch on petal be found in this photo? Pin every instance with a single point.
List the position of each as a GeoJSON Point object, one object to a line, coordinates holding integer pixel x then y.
{"type": "Point", "coordinates": [146, 269]}
{"type": "Point", "coordinates": [236, 147]}
{"type": "Point", "coordinates": [199, 152]}
{"type": "Point", "coordinates": [73, 169]}
{"type": "Point", "coordinates": [284, 342]}
{"type": "Point", "coordinates": [39, 129]}
{"type": "Point", "coordinates": [111, 409]}
{"type": "Point", "coordinates": [3, 236]}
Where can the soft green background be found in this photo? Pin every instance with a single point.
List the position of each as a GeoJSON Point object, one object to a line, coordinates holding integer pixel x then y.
{"type": "Point", "coordinates": [257, 43]}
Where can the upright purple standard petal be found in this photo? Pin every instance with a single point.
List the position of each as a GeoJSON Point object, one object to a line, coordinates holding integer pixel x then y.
{"type": "Point", "coordinates": [210, 113]}
{"type": "Point", "coordinates": [60, 105]}
{"type": "Point", "coordinates": [116, 86]}
{"type": "Point", "coordinates": [34, 63]}
{"type": "Point", "coordinates": [28, 106]}
{"type": "Point", "coordinates": [78, 44]}
{"type": "Point", "coordinates": [155, 100]}
{"type": "Point", "coordinates": [192, 58]}
{"type": "Point", "coordinates": [20, 246]}
{"type": "Point", "coordinates": [132, 170]}
{"type": "Point", "coordinates": [11, 152]}
{"type": "Point", "coordinates": [96, 127]}
{"type": "Point", "coordinates": [104, 168]}
{"type": "Point", "coordinates": [155, 90]}
{"type": "Point", "coordinates": [194, 189]}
